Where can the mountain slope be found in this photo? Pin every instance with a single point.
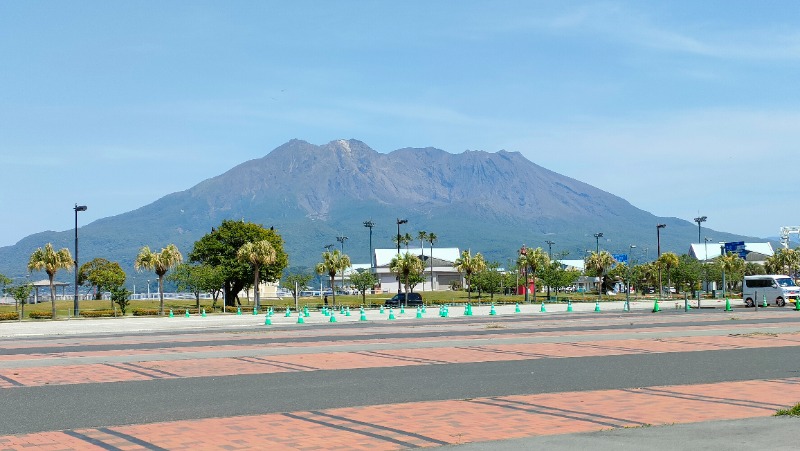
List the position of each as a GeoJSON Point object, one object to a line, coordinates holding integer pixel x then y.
{"type": "Point", "coordinates": [488, 202]}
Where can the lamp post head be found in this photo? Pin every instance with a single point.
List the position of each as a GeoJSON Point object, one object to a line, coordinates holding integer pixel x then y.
{"type": "Point", "coordinates": [660, 226]}
{"type": "Point", "coordinates": [369, 224]}
{"type": "Point", "coordinates": [598, 235]}
{"type": "Point", "coordinates": [700, 219]}
{"type": "Point", "coordinates": [79, 208]}
{"type": "Point", "coordinates": [401, 221]}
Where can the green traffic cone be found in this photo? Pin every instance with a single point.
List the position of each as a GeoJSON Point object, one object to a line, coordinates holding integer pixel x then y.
{"type": "Point", "coordinates": [300, 319]}
{"type": "Point", "coordinates": [569, 306]}
{"type": "Point", "coordinates": [333, 318]}
{"type": "Point", "coordinates": [268, 321]}
{"type": "Point", "coordinates": [492, 311]}
{"type": "Point", "coordinates": [305, 312]}
{"type": "Point", "coordinates": [728, 305]}
{"type": "Point", "coordinates": [382, 311]}
{"type": "Point", "coordinates": [419, 313]}
{"type": "Point", "coordinates": [765, 302]}
{"type": "Point", "coordinates": [656, 308]}
{"type": "Point", "coordinates": [596, 306]}
{"type": "Point", "coordinates": [391, 314]}
{"type": "Point", "coordinates": [255, 310]}
{"type": "Point", "coordinates": [423, 309]}
{"type": "Point", "coordinates": [238, 310]}
{"type": "Point", "coordinates": [466, 309]}
{"type": "Point", "coordinates": [363, 315]}
{"type": "Point", "coordinates": [469, 307]}
{"type": "Point", "coordinates": [543, 309]}
{"type": "Point", "coordinates": [204, 313]}
{"type": "Point", "coordinates": [341, 310]}
{"type": "Point", "coordinates": [516, 308]}
{"type": "Point", "coordinates": [626, 307]}
{"type": "Point", "coordinates": [187, 313]}
{"type": "Point", "coordinates": [288, 312]}
{"type": "Point", "coordinates": [170, 313]}
{"type": "Point", "coordinates": [347, 312]}
{"type": "Point", "coordinates": [325, 311]}
{"type": "Point", "coordinates": [402, 310]}
{"type": "Point", "coordinates": [446, 310]}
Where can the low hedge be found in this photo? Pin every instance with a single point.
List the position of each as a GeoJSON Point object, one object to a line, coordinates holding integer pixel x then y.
{"type": "Point", "coordinates": [9, 316]}
{"type": "Point", "coordinates": [97, 313]}
{"type": "Point", "coordinates": [145, 312]}
{"type": "Point", "coordinates": [40, 315]}
{"type": "Point", "coordinates": [234, 309]}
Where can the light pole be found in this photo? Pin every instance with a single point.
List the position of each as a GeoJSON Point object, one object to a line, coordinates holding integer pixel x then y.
{"type": "Point", "coordinates": [76, 303]}
{"type": "Point", "coordinates": [370, 224]}
{"type": "Point", "coordinates": [342, 239]}
{"type": "Point", "coordinates": [699, 220]}
{"type": "Point", "coordinates": [658, 242]}
{"type": "Point", "coordinates": [522, 252]}
{"type": "Point", "coordinates": [148, 288]}
{"type": "Point", "coordinates": [549, 256]}
{"type": "Point", "coordinates": [628, 288]}
{"type": "Point", "coordinates": [399, 221]}
{"type": "Point", "coordinates": [597, 237]}
{"type": "Point", "coordinates": [721, 253]}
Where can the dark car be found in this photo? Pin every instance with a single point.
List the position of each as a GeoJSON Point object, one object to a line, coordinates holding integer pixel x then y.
{"type": "Point", "coordinates": [399, 299]}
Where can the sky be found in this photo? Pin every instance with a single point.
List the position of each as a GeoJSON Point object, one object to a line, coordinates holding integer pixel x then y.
{"type": "Point", "coordinates": [683, 108]}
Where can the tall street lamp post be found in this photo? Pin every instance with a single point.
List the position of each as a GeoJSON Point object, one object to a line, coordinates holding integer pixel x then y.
{"type": "Point", "coordinates": [523, 252]}
{"type": "Point", "coordinates": [628, 287]}
{"type": "Point", "coordinates": [658, 243]}
{"type": "Point", "coordinates": [76, 303]}
{"type": "Point", "coordinates": [342, 239]}
{"type": "Point", "coordinates": [370, 224]}
{"type": "Point", "coordinates": [549, 256]}
{"type": "Point", "coordinates": [399, 221]}
{"type": "Point", "coordinates": [699, 220]}
{"type": "Point", "coordinates": [721, 253]}
{"type": "Point", "coordinates": [597, 237]}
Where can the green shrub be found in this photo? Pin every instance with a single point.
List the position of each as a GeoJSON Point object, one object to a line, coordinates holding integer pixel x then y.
{"type": "Point", "coordinates": [9, 316]}
{"type": "Point", "coordinates": [233, 309]}
{"type": "Point", "coordinates": [145, 312]}
{"type": "Point", "coordinates": [40, 315]}
{"type": "Point", "coordinates": [97, 313]}
{"type": "Point", "coordinates": [792, 411]}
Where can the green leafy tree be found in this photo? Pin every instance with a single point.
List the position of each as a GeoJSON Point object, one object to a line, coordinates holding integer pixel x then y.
{"type": "Point", "coordinates": [219, 249]}
{"type": "Point", "coordinates": [406, 266]}
{"type": "Point", "coordinates": [20, 293]}
{"type": "Point", "coordinates": [490, 280]}
{"type": "Point", "coordinates": [160, 262]}
{"type": "Point", "coordinates": [363, 280]}
{"type": "Point", "coordinates": [783, 261]}
{"type": "Point", "coordinates": [533, 261]}
{"type": "Point", "coordinates": [468, 265]}
{"type": "Point", "coordinates": [258, 254]}
{"type": "Point", "coordinates": [415, 279]}
{"type": "Point", "coordinates": [4, 282]}
{"type": "Point", "coordinates": [689, 273]}
{"type": "Point", "coordinates": [754, 269]}
{"type": "Point", "coordinates": [733, 266]}
{"type": "Point", "coordinates": [667, 261]}
{"type": "Point", "coordinates": [194, 279]}
{"type": "Point", "coordinates": [122, 297]}
{"type": "Point", "coordinates": [556, 276]}
{"type": "Point", "coordinates": [296, 281]}
{"type": "Point", "coordinates": [331, 264]}
{"type": "Point", "coordinates": [597, 264]}
{"type": "Point", "coordinates": [50, 261]}
{"type": "Point", "coordinates": [101, 274]}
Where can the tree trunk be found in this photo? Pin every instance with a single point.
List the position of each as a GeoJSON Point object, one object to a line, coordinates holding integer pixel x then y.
{"type": "Point", "coordinates": [333, 291]}
{"type": "Point", "coordinates": [52, 297]}
{"type": "Point", "coordinates": [161, 294]}
{"type": "Point", "coordinates": [255, 289]}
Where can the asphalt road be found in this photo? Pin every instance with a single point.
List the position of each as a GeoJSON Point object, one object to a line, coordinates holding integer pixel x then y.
{"type": "Point", "coordinates": [31, 409]}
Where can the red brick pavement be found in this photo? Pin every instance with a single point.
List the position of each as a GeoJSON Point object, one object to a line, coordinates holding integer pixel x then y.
{"type": "Point", "coordinates": [434, 423]}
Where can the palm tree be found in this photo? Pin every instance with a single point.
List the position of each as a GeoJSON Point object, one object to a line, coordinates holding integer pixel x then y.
{"type": "Point", "coordinates": [733, 265]}
{"type": "Point", "coordinates": [783, 261]}
{"type": "Point", "coordinates": [160, 262]}
{"type": "Point", "coordinates": [534, 260]}
{"type": "Point", "coordinates": [257, 253]}
{"type": "Point", "coordinates": [332, 263]}
{"type": "Point", "coordinates": [469, 265]}
{"type": "Point", "coordinates": [668, 260]}
{"type": "Point", "coordinates": [50, 261]}
{"type": "Point", "coordinates": [432, 238]}
{"type": "Point", "coordinates": [599, 262]}
{"type": "Point", "coordinates": [405, 266]}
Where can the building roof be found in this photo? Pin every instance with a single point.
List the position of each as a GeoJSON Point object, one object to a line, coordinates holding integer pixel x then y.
{"type": "Point", "coordinates": [447, 255]}
{"type": "Point", "coordinates": [698, 250]}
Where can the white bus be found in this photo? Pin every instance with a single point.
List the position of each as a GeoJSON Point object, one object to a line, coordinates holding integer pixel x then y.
{"type": "Point", "coordinates": [777, 289]}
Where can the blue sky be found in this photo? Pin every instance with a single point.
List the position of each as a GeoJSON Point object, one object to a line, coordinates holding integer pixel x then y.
{"type": "Point", "coordinates": [680, 107]}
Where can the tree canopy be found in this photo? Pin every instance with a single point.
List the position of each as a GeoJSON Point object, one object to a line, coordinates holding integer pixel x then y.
{"type": "Point", "coordinates": [101, 274]}
{"type": "Point", "coordinates": [219, 249]}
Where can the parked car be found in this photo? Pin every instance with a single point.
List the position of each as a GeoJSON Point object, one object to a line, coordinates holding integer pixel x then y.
{"type": "Point", "coordinates": [399, 299]}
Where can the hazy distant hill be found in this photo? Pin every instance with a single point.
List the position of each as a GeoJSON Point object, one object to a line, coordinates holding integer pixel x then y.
{"type": "Point", "coordinates": [489, 202]}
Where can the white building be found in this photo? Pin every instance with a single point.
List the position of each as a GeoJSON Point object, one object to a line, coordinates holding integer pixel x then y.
{"type": "Point", "coordinates": [443, 273]}
{"type": "Point", "coordinates": [756, 252]}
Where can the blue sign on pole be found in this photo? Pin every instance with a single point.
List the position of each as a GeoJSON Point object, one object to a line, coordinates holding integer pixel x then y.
{"type": "Point", "coordinates": [736, 247]}
{"type": "Point", "coordinates": [621, 258]}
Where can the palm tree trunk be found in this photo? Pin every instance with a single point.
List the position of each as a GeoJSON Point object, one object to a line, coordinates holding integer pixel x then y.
{"type": "Point", "coordinates": [534, 287]}
{"type": "Point", "coordinates": [333, 291]}
{"type": "Point", "coordinates": [255, 290]}
{"type": "Point", "coordinates": [52, 296]}
{"type": "Point", "coordinates": [161, 295]}
{"type": "Point", "coordinates": [469, 289]}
